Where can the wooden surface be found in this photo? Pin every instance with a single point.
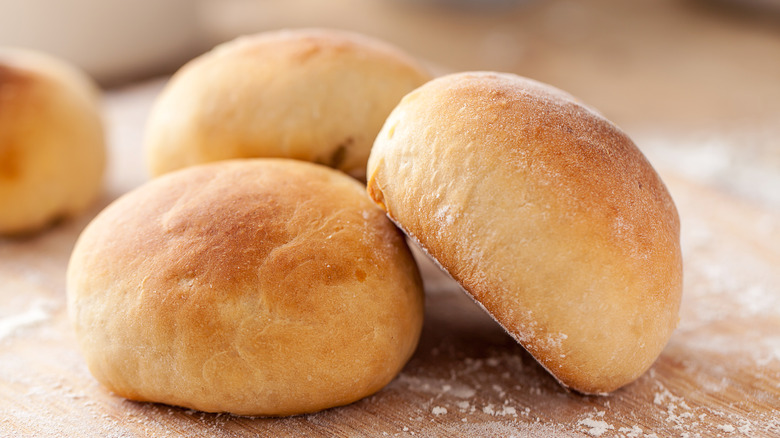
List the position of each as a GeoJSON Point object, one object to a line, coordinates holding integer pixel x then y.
{"type": "Point", "coordinates": [718, 376]}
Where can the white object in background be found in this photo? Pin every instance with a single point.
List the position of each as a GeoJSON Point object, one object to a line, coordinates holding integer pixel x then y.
{"type": "Point", "coordinates": [112, 40]}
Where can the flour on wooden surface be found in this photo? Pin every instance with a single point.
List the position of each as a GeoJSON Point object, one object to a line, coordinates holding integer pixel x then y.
{"type": "Point", "coordinates": [38, 312]}
{"type": "Point", "coordinates": [726, 428]}
{"type": "Point", "coordinates": [631, 432]}
{"type": "Point", "coordinates": [594, 426]}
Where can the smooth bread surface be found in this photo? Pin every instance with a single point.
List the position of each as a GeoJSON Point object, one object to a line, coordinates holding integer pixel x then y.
{"type": "Point", "coordinates": [545, 212]}
{"type": "Point", "coordinates": [308, 94]}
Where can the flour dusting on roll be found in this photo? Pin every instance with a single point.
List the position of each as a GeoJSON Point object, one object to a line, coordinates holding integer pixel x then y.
{"type": "Point", "coordinates": [545, 212]}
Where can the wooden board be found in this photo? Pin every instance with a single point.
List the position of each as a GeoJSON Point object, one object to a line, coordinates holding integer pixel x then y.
{"type": "Point", "coordinates": [718, 376]}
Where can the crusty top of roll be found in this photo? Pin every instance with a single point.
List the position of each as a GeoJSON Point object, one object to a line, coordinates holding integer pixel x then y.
{"type": "Point", "coordinates": [545, 212]}
{"type": "Point", "coordinates": [256, 287]}
{"type": "Point", "coordinates": [316, 95]}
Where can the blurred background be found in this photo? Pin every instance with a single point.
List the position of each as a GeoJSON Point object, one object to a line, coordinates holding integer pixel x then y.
{"type": "Point", "coordinates": [695, 82]}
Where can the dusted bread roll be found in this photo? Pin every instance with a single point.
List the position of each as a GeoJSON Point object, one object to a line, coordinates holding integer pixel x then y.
{"type": "Point", "coordinates": [52, 147]}
{"type": "Point", "coordinates": [258, 287]}
{"type": "Point", "coordinates": [547, 215]}
{"type": "Point", "coordinates": [312, 95]}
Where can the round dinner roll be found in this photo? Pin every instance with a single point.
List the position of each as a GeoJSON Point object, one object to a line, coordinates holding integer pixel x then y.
{"type": "Point", "coordinates": [52, 146]}
{"type": "Point", "coordinates": [311, 94]}
{"type": "Point", "coordinates": [262, 287]}
{"type": "Point", "coordinates": [545, 212]}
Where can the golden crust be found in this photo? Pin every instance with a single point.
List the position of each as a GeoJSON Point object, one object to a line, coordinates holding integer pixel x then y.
{"type": "Point", "coordinates": [52, 149]}
{"type": "Point", "coordinates": [545, 212]}
{"type": "Point", "coordinates": [257, 287]}
{"type": "Point", "coordinates": [310, 94]}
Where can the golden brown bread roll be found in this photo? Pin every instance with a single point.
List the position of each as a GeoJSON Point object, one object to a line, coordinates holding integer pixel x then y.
{"type": "Point", "coordinates": [258, 287]}
{"type": "Point", "coordinates": [52, 147]}
{"type": "Point", "coordinates": [546, 213]}
{"type": "Point", "coordinates": [310, 94]}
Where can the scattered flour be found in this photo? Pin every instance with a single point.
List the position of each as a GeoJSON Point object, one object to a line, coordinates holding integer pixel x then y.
{"type": "Point", "coordinates": [439, 410]}
{"type": "Point", "coordinates": [35, 314]}
{"type": "Point", "coordinates": [632, 432]}
{"type": "Point", "coordinates": [595, 427]}
{"type": "Point", "coordinates": [445, 216]}
{"type": "Point", "coordinates": [503, 411]}
{"type": "Point", "coordinates": [726, 428]}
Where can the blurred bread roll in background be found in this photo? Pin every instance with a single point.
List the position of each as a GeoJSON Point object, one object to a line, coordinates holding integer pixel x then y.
{"type": "Point", "coordinates": [52, 143]}
{"type": "Point", "coordinates": [309, 94]}
{"type": "Point", "coordinates": [545, 212]}
{"type": "Point", "coordinates": [259, 287]}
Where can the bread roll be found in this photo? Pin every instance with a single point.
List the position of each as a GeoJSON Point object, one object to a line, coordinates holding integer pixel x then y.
{"type": "Point", "coordinates": [261, 287]}
{"type": "Point", "coordinates": [52, 147]}
{"type": "Point", "coordinates": [313, 95]}
{"type": "Point", "coordinates": [545, 212]}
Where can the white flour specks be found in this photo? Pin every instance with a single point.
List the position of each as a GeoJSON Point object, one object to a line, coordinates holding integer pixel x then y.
{"type": "Point", "coordinates": [37, 313]}
{"type": "Point", "coordinates": [445, 216]}
{"type": "Point", "coordinates": [726, 428]}
{"type": "Point", "coordinates": [596, 427]}
{"type": "Point", "coordinates": [632, 432]}
{"type": "Point", "coordinates": [663, 396]}
{"type": "Point", "coordinates": [439, 410]}
{"type": "Point", "coordinates": [499, 412]}
{"type": "Point", "coordinates": [554, 340]}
